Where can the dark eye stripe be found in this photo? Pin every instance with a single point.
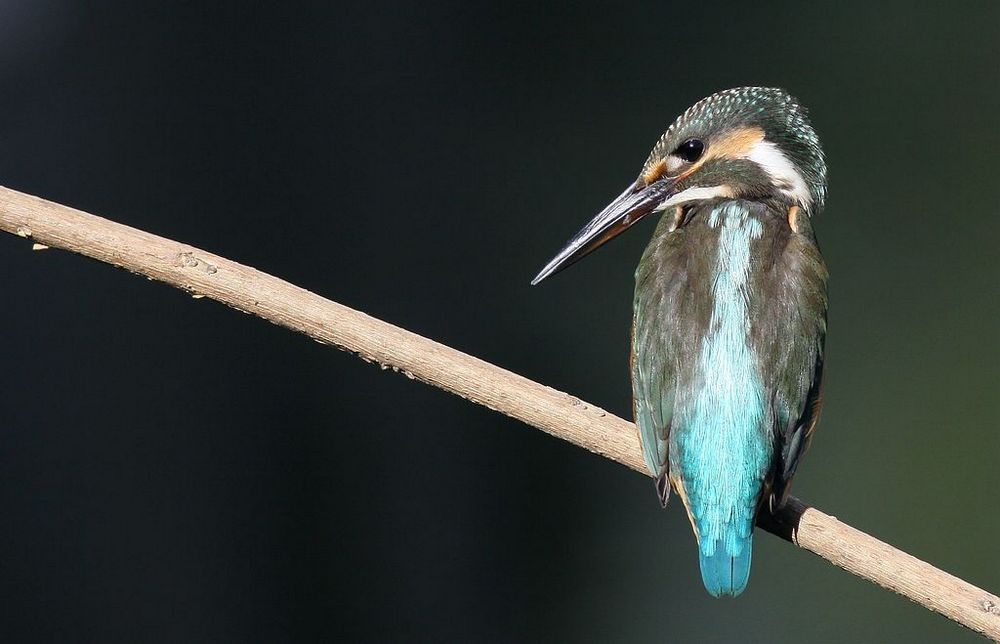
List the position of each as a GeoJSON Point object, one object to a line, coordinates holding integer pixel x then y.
{"type": "Point", "coordinates": [691, 150]}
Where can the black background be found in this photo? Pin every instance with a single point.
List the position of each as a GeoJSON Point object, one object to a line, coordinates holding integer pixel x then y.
{"type": "Point", "coordinates": [171, 470]}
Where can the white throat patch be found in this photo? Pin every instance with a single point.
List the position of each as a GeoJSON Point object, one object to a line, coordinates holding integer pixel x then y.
{"type": "Point", "coordinates": [782, 171]}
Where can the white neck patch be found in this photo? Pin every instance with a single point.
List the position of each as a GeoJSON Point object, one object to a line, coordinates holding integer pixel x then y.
{"type": "Point", "coordinates": [782, 171]}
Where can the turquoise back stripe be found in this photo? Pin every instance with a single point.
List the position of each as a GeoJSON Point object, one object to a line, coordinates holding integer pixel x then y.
{"type": "Point", "coordinates": [723, 451]}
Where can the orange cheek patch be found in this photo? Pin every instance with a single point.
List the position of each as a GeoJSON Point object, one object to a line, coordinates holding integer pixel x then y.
{"type": "Point", "coordinates": [736, 144]}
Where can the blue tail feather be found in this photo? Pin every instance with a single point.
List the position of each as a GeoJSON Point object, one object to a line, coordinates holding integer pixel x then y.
{"type": "Point", "coordinates": [723, 573]}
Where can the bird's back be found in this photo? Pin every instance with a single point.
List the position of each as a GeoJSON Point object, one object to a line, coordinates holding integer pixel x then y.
{"type": "Point", "coordinates": [729, 317]}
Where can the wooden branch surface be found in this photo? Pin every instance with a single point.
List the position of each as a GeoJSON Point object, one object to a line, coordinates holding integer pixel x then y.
{"type": "Point", "coordinates": [557, 413]}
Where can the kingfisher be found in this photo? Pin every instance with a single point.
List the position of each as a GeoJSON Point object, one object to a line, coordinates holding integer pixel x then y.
{"type": "Point", "coordinates": [729, 317]}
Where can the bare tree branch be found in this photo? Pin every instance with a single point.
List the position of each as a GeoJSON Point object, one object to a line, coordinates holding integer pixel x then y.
{"type": "Point", "coordinates": [559, 414]}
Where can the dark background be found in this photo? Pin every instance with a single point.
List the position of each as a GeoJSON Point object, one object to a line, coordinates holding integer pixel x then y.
{"type": "Point", "coordinates": [171, 470]}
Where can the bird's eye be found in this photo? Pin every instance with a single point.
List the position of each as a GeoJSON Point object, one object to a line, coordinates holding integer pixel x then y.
{"type": "Point", "coordinates": [691, 150]}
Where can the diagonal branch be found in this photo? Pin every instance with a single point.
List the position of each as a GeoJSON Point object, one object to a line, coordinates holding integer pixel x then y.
{"type": "Point", "coordinates": [559, 414]}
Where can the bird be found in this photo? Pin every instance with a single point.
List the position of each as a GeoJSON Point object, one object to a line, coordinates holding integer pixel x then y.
{"type": "Point", "coordinates": [729, 313]}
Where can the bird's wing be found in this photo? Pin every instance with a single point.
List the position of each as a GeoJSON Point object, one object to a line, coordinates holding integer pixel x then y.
{"type": "Point", "coordinates": [667, 314]}
{"type": "Point", "coordinates": [653, 388]}
{"type": "Point", "coordinates": [797, 434]}
{"type": "Point", "coordinates": [798, 340]}
{"type": "Point", "coordinates": [653, 401]}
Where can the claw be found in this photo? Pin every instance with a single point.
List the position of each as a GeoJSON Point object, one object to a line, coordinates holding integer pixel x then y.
{"type": "Point", "coordinates": [663, 489]}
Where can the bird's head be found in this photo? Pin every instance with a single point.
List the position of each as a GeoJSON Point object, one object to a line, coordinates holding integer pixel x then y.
{"type": "Point", "coordinates": [745, 143]}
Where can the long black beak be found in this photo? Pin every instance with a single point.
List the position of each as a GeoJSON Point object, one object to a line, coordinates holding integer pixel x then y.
{"type": "Point", "coordinates": [636, 202]}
